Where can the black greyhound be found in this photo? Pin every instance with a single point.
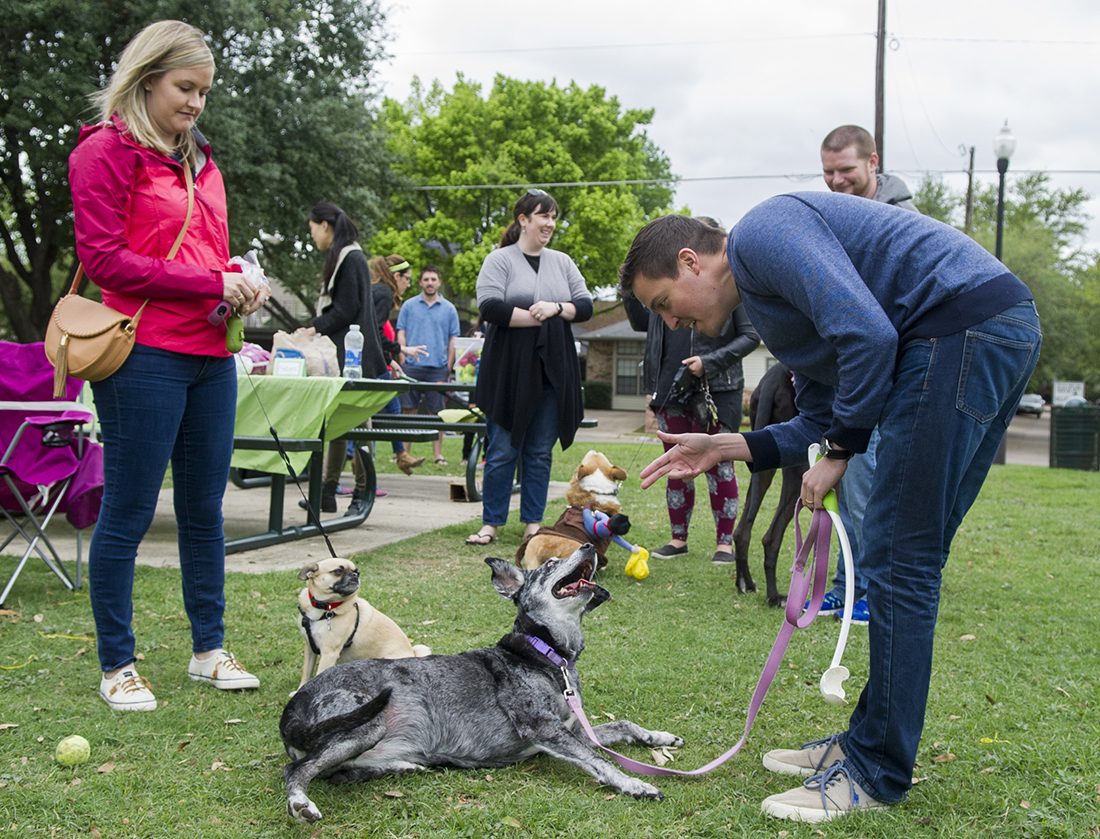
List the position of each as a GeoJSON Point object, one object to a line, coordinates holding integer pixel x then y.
{"type": "Point", "coordinates": [772, 401]}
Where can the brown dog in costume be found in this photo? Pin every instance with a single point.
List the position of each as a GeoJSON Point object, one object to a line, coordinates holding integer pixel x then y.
{"type": "Point", "coordinates": [594, 487]}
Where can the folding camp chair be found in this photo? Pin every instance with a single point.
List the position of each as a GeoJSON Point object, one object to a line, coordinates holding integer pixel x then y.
{"type": "Point", "coordinates": [48, 464]}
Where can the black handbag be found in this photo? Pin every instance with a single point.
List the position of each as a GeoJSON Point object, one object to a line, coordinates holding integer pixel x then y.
{"type": "Point", "coordinates": [692, 395]}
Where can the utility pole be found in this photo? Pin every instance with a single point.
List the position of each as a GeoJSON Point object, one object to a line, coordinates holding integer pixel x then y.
{"type": "Point", "coordinates": [880, 83]}
{"type": "Point", "coordinates": [968, 222]}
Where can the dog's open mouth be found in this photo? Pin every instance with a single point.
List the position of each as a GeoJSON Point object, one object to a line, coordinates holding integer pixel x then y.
{"type": "Point", "coordinates": [575, 583]}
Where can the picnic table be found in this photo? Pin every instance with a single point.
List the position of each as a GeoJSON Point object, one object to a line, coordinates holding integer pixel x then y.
{"type": "Point", "coordinates": [306, 413]}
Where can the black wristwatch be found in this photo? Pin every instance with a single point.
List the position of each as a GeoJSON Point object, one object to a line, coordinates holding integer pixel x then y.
{"type": "Point", "coordinates": [828, 451]}
{"type": "Point", "coordinates": [561, 309]}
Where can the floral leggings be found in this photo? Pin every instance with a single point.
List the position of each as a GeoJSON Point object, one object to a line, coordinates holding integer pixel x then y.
{"type": "Point", "coordinates": [680, 495]}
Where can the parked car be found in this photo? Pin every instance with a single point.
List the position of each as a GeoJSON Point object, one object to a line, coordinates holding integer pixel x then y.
{"type": "Point", "coordinates": [1030, 403]}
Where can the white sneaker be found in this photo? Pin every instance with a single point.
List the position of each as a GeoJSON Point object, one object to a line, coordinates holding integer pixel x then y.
{"type": "Point", "coordinates": [127, 691]}
{"type": "Point", "coordinates": [223, 671]}
{"type": "Point", "coordinates": [823, 797]}
{"type": "Point", "coordinates": [811, 758]}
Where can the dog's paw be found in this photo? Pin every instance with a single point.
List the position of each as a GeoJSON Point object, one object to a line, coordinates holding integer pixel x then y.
{"type": "Point", "coordinates": [640, 789]}
{"type": "Point", "coordinates": [301, 809]}
{"type": "Point", "coordinates": [655, 739]}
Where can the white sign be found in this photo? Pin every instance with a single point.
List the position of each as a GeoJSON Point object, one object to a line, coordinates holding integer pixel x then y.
{"type": "Point", "coordinates": [1066, 390]}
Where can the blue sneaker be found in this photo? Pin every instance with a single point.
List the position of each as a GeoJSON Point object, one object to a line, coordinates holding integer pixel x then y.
{"type": "Point", "coordinates": [861, 615]}
{"type": "Point", "coordinates": [832, 604]}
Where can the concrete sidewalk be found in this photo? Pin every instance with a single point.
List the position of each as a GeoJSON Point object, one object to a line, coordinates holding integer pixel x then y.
{"type": "Point", "coordinates": [412, 505]}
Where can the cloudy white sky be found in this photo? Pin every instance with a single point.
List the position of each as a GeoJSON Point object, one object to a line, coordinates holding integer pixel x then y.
{"type": "Point", "coordinates": [747, 89]}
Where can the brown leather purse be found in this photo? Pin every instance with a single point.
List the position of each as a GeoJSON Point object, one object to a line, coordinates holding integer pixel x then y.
{"type": "Point", "coordinates": [88, 340]}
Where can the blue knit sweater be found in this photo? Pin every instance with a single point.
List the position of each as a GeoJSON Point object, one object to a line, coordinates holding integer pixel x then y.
{"type": "Point", "coordinates": [836, 285]}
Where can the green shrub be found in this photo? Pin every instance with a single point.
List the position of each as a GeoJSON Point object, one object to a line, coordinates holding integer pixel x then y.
{"type": "Point", "coordinates": [597, 395]}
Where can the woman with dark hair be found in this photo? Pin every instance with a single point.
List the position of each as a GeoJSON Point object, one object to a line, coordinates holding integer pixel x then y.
{"type": "Point", "coordinates": [529, 382]}
{"type": "Point", "coordinates": [344, 300]}
{"type": "Point", "coordinates": [390, 275]}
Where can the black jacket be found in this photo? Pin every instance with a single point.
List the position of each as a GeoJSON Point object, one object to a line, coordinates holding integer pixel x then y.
{"type": "Point", "coordinates": [666, 348]}
{"type": "Point", "coordinates": [351, 303]}
{"type": "Point", "coordinates": [382, 298]}
{"type": "Point", "coordinates": [514, 365]}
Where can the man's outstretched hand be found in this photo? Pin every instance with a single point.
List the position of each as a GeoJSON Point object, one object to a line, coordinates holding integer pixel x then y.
{"type": "Point", "coordinates": [690, 456]}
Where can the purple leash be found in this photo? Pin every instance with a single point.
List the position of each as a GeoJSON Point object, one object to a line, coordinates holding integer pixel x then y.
{"type": "Point", "coordinates": [818, 539]}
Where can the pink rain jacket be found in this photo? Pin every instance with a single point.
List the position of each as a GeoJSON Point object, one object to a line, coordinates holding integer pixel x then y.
{"type": "Point", "coordinates": [129, 203]}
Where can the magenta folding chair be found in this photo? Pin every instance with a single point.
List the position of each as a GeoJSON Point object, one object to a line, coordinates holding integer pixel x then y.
{"type": "Point", "coordinates": [48, 463]}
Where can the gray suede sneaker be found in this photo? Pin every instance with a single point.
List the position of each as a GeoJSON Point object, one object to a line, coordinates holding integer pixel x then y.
{"type": "Point", "coordinates": [812, 758]}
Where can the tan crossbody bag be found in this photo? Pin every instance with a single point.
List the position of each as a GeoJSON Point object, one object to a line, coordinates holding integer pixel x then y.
{"type": "Point", "coordinates": [90, 341]}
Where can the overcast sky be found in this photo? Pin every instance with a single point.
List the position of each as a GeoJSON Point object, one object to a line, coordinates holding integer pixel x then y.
{"type": "Point", "coordinates": [743, 89]}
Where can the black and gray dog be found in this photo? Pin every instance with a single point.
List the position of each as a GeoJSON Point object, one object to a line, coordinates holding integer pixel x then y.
{"type": "Point", "coordinates": [478, 709]}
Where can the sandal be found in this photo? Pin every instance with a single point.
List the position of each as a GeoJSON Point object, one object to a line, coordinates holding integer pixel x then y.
{"type": "Point", "coordinates": [441, 461]}
{"type": "Point", "coordinates": [481, 538]}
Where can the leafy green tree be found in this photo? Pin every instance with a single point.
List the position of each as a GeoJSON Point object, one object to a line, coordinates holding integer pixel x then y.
{"type": "Point", "coordinates": [520, 132]}
{"type": "Point", "coordinates": [935, 198]}
{"type": "Point", "coordinates": [290, 120]}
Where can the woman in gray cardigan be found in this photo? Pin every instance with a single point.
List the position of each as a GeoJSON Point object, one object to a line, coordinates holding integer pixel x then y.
{"type": "Point", "coordinates": [529, 380]}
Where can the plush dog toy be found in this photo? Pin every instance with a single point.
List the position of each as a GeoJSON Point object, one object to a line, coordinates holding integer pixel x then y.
{"type": "Point", "coordinates": [593, 515]}
{"type": "Point", "coordinates": [340, 626]}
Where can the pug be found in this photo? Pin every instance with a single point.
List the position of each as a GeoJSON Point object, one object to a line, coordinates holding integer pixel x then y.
{"type": "Point", "coordinates": [340, 626]}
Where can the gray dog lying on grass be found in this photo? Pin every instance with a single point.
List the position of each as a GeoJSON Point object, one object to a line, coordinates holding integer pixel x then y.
{"type": "Point", "coordinates": [482, 708]}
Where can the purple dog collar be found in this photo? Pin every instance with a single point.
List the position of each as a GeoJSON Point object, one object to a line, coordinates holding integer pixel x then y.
{"type": "Point", "coordinates": [549, 652]}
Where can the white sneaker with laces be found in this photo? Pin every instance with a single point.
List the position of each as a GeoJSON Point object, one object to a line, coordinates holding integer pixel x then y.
{"type": "Point", "coordinates": [811, 758]}
{"type": "Point", "coordinates": [223, 671]}
{"type": "Point", "coordinates": [826, 796]}
{"type": "Point", "coordinates": [127, 691]}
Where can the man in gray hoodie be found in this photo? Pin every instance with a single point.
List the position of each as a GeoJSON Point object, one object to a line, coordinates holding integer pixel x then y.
{"type": "Point", "coordinates": [849, 161]}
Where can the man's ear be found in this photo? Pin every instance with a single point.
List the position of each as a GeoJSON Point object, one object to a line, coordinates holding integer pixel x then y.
{"type": "Point", "coordinates": [688, 258]}
{"type": "Point", "coordinates": [873, 160]}
{"type": "Point", "coordinates": [507, 578]}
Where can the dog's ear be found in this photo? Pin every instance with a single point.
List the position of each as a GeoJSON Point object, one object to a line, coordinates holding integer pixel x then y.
{"type": "Point", "coordinates": [307, 572]}
{"type": "Point", "coordinates": [617, 474]}
{"type": "Point", "coordinates": [507, 578]}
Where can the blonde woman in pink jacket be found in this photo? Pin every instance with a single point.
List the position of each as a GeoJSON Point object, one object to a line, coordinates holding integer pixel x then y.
{"type": "Point", "coordinates": [175, 397]}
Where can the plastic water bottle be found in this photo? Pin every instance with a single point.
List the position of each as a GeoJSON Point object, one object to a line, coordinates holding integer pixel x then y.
{"type": "Point", "coordinates": [353, 353]}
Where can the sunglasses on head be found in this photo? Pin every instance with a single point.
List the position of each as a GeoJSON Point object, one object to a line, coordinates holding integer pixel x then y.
{"type": "Point", "coordinates": [539, 192]}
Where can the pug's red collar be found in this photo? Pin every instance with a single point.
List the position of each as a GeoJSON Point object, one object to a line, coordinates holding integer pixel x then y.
{"type": "Point", "coordinates": [323, 606]}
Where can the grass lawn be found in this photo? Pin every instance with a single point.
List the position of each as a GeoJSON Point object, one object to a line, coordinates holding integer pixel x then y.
{"type": "Point", "coordinates": [1009, 747]}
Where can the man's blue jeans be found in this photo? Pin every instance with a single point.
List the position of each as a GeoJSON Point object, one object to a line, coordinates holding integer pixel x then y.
{"type": "Point", "coordinates": [855, 489]}
{"type": "Point", "coordinates": [952, 401]}
{"type": "Point", "coordinates": [537, 449]}
{"type": "Point", "coordinates": [162, 406]}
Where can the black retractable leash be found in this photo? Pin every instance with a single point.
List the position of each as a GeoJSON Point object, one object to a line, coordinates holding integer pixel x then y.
{"type": "Point", "coordinates": [289, 468]}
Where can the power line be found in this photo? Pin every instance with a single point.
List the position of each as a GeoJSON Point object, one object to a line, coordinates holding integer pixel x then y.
{"type": "Point", "coordinates": [642, 45]}
{"type": "Point", "coordinates": [789, 176]}
{"type": "Point", "coordinates": [528, 48]}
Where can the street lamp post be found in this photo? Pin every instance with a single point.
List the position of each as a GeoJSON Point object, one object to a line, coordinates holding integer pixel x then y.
{"type": "Point", "coordinates": [1004, 144]}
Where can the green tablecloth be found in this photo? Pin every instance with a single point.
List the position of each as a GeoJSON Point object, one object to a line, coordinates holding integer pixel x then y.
{"type": "Point", "coordinates": [301, 407]}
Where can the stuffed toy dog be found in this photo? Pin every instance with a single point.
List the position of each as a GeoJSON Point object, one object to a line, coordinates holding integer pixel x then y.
{"type": "Point", "coordinates": [593, 515]}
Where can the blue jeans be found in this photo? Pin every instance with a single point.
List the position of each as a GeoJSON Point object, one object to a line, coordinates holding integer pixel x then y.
{"type": "Point", "coordinates": [537, 449]}
{"type": "Point", "coordinates": [952, 401]}
{"type": "Point", "coordinates": [855, 489]}
{"type": "Point", "coordinates": [162, 406]}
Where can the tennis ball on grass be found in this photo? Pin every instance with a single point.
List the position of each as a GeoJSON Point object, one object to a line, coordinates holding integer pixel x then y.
{"type": "Point", "coordinates": [72, 751]}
